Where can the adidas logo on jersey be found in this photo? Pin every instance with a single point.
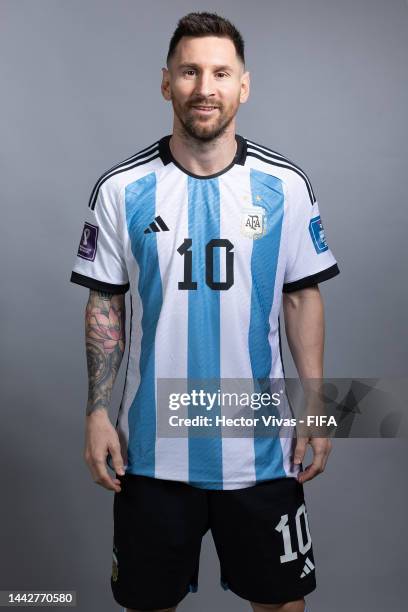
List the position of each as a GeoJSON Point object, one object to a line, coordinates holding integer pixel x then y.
{"type": "Point", "coordinates": [160, 227]}
{"type": "Point", "coordinates": [308, 567]}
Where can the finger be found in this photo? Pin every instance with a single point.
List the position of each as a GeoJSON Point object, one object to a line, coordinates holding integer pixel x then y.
{"type": "Point", "coordinates": [321, 451]}
{"type": "Point", "coordinates": [101, 476]}
{"type": "Point", "coordinates": [311, 471]}
{"type": "Point", "coordinates": [112, 485]}
{"type": "Point", "coordinates": [300, 450]}
{"type": "Point", "coordinates": [327, 453]}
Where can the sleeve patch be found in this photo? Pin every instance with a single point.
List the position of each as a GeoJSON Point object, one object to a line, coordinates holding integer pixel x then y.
{"type": "Point", "coordinates": [317, 233]}
{"type": "Point", "coordinates": [88, 242]}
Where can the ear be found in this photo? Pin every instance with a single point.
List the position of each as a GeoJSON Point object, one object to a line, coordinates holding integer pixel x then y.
{"type": "Point", "coordinates": [165, 84]}
{"type": "Point", "coordinates": [245, 87]}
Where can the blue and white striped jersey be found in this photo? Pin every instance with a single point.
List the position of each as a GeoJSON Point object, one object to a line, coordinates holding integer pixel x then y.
{"type": "Point", "coordinates": [206, 260]}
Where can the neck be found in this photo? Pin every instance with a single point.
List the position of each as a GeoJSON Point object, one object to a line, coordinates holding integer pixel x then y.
{"type": "Point", "coordinates": [203, 158]}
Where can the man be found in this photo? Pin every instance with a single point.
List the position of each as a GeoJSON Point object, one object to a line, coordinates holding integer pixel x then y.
{"type": "Point", "coordinates": [208, 230]}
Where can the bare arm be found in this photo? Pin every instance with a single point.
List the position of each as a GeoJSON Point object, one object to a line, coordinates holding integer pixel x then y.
{"type": "Point", "coordinates": [105, 319]}
{"type": "Point", "coordinates": [304, 324]}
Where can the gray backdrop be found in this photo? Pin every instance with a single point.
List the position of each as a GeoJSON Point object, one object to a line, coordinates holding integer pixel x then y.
{"type": "Point", "coordinates": [80, 92]}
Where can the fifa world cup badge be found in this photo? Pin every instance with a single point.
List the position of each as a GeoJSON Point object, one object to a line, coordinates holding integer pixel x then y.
{"type": "Point", "coordinates": [253, 222]}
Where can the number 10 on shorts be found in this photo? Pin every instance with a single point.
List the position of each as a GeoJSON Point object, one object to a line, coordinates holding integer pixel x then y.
{"type": "Point", "coordinates": [283, 528]}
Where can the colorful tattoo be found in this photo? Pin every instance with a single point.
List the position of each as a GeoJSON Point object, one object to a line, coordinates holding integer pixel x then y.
{"type": "Point", "coordinates": [105, 345]}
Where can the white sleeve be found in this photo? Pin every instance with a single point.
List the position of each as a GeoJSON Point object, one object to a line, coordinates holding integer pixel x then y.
{"type": "Point", "coordinates": [100, 263]}
{"type": "Point", "coordinates": [309, 261]}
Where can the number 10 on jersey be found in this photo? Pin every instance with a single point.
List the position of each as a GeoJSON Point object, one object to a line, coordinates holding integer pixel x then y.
{"type": "Point", "coordinates": [186, 250]}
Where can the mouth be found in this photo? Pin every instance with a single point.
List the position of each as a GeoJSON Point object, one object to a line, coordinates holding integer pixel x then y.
{"type": "Point", "coordinates": [204, 109]}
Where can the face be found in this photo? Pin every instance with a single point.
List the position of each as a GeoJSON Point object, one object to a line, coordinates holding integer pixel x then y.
{"type": "Point", "coordinates": [206, 83]}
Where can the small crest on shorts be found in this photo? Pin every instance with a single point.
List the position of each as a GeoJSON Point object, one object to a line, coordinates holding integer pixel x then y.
{"type": "Point", "coordinates": [253, 222]}
{"type": "Point", "coordinates": [115, 569]}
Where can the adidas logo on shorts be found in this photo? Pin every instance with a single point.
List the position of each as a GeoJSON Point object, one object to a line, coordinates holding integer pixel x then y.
{"type": "Point", "coordinates": [308, 567]}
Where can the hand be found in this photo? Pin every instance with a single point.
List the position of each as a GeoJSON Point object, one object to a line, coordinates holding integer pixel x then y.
{"type": "Point", "coordinates": [321, 449]}
{"type": "Point", "coordinates": [101, 438]}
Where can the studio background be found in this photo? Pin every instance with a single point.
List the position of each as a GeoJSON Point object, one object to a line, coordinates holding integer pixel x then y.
{"type": "Point", "coordinates": [81, 92]}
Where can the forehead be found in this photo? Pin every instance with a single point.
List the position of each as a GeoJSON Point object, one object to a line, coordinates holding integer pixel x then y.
{"type": "Point", "coordinates": [205, 50]}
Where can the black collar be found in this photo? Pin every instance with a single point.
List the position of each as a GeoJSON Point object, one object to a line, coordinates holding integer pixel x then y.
{"type": "Point", "coordinates": [167, 157]}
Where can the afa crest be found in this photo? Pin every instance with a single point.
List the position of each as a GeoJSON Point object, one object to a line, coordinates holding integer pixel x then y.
{"type": "Point", "coordinates": [253, 222]}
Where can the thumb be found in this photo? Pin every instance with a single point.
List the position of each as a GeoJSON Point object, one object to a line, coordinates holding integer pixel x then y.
{"type": "Point", "coordinates": [117, 460]}
{"type": "Point", "coordinates": [300, 450]}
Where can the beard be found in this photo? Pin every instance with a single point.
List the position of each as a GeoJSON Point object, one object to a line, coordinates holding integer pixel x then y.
{"type": "Point", "coordinates": [204, 129]}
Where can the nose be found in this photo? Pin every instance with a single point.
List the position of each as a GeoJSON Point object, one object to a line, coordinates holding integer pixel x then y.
{"type": "Point", "coordinates": [204, 85]}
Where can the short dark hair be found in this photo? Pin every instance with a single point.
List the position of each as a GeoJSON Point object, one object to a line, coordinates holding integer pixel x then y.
{"type": "Point", "coordinates": [206, 24]}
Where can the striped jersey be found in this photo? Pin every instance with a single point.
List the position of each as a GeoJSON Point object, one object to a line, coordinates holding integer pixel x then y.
{"type": "Point", "coordinates": [206, 259]}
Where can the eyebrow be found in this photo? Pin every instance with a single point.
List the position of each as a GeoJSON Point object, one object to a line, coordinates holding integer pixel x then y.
{"type": "Point", "coordinates": [197, 66]}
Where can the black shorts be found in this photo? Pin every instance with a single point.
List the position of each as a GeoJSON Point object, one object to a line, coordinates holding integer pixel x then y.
{"type": "Point", "coordinates": [261, 535]}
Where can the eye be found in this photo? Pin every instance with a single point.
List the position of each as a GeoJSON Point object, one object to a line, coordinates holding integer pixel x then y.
{"type": "Point", "coordinates": [221, 75]}
{"type": "Point", "coordinates": [189, 72]}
